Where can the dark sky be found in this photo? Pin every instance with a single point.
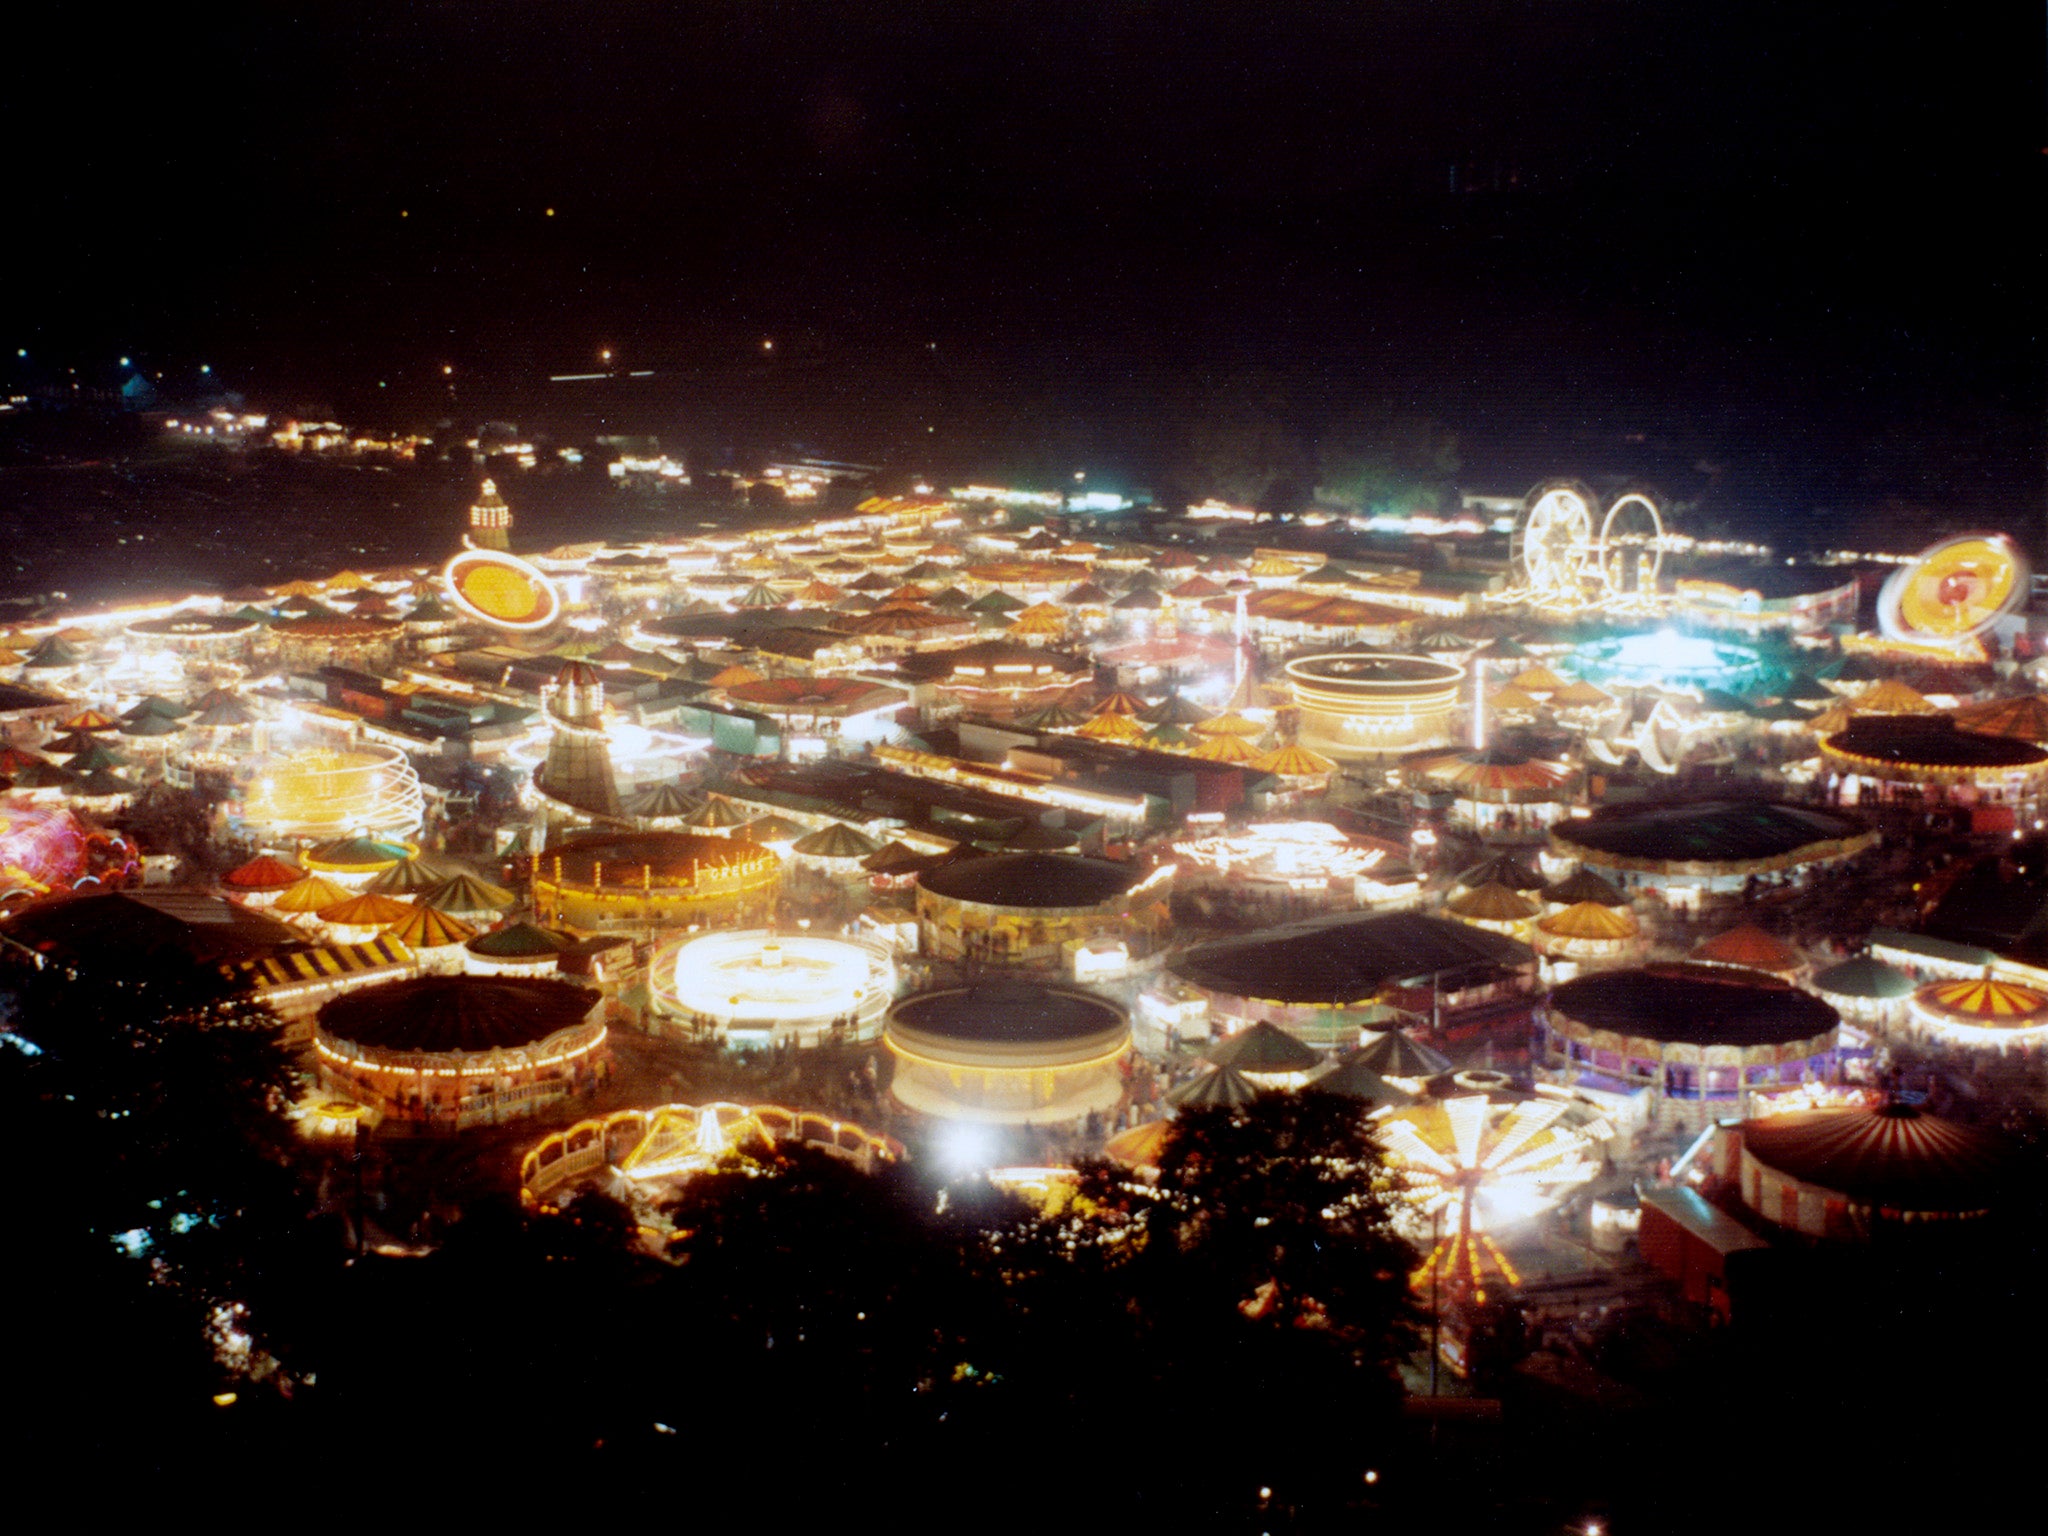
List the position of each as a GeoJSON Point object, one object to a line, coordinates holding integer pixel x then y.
{"type": "Point", "coordinates": [1483, 201]}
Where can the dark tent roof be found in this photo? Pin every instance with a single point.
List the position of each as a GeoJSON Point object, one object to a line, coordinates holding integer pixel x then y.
{"type": "Point", "coordinates": [456, 1013]}
{"type": "Point", "coordinates": [1349, 1076]}
{"type": "Point", "coordinates": [1394, 1054]}
{"type": "Point", "coordinates": [1694, 1005]}
{"type": "Point", "coordinates": [1264, 1048]}
{"type": "Point", "coordinates": [1893, 1157]}
{"type": "Point", "coordinates": [1224, 1086]}
{"type": "Point", "coordinates": [1346, 959]}
{"type": "Point", "coordinates": [1033, 880]}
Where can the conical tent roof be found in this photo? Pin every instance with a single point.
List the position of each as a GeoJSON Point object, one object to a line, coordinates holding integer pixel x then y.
{"type": "Point", "coordinates": [951, 600]}
{"type": "Point", "coordinates": [838, 841]}
{"type": "Point", "coordinates": [1113, 728]}
{"type": "Point", "coordinates": [466, 893]}
{"type": "Point", "coordinates": [358, 853]}
{"type": "Point", "coordinates": [430, 928]}
{"type": "Point", "coordinates": [368, 910]}
{"type": "Point", "coordinates": [313, 894]}
{"type": "Point", "coordinates": [96, 759]}
{"type": "Point", "coordinates": [518, 941]}
{"type": "Point", "coordinates": [717, 813]}
{"type": "Point", "coordinates": [263, 873]}
{"type": "Point", "coordinates": [1119, 704]}
{"type": "Point", "coordinates": [1589, 920]}
{"type": "Point", "coordinates": [1293, 762]}
{"type": "Point", "coordinates": [1054, 717]}
{"type": "Point", "coordinates": [157, 704]}
{"type": "Point", "coordinates": [1581, 886]}
{"type": "Point", "coordinates": [52, 653]}
{"type": "Point", "coordinates": [996, 602]}
{"type": "Point", "coordinates": [1892, 697]}
{"type": "Point", "coordinates": [38, 774]}
{"type": "Point", "coordinates": [893, 856]}
{"type": "Point", "coordinates": [101, 783]}
{"type": "Point", "coordinates": [1230, 725]}
{"type": "Point", "coordinates": [1394, 1054]}
{"type": "Point", "coordinates": [90, 720]}
{"type": "Point", "coordinates": [1864, 977]}
{"type": "Point", "coordinates": [1263, 1047]}
{"type": "Point", "coordinates": [1226, 749]}
{"type": "Point", "coordinates": [224, 714]}
{"type": "Point", "coordinates": [2024, 718]}
{"type": "Point", "coordinates": [1983, 1001]}
{"type": "Point", "coordinates": [149, 725]}
{"type": "Point", "coordinates": [1141, 1146]}
{"type": "Point", "coordinates": [71, 743]}
{"type": "Point", "coordinates": [1174, 710]}
{"type": "Point", "coordinates": [1171, 737]}
{"type": "Point", "coordinates": [1224, 1086]}
{"type": "Point", "coordinates": [1087, 594]}
{"type": "Point", "coordinates": [1492, 903]}
{"type": "Point", "coordinates": [664, 801]}
{"type": "Point", "coordinates": [1351, 1077]}
{"type": "Point", "coordinates": [1580, 695]}
{"type": "Point", "coordinates": [408, 877]}
{"type": "Point", "coordinates": [772, 829]}
{"type": "Point", "coordinates": [1502, 869]}
{"type": "Point", "coordinates": [1750, 946]}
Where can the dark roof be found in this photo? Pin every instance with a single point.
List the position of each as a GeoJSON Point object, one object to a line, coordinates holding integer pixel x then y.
{"type": "Point", "coordinates": [1009, 1013]}
{"type": "Point", "coordinates": [1264, 1047]}
{"type": "Point", "coordinates": [1032, 880]}
{"type": "Point", "coordinates": [1344, 959]}
{"type": "Point", "coordinates": [1931, 741]}
{"type": "Point", "coordinates": [1894, 1157]}
{"type": "Point", "coordinates": [1694, 1005]}
{"type": "Point", "coordinates": [128, 931]}
{"type": "Point", "coordinates": [455, 1013]}
{"type": "Point", "coordinates": [1719, 831]}
{"type": "Point", "coordinates": [1864, 977]}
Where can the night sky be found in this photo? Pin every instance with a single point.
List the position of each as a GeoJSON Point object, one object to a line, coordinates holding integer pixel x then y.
{"type": "Point", "coordinates": [1654, 217]}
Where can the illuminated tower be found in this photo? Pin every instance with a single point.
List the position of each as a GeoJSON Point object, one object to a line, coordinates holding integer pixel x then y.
{"type": "Point", "coordinates": [490, 520]}
{"type": "Point", "coordinates": [578, 772]}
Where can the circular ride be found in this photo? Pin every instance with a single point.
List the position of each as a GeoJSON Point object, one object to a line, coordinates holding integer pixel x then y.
{"type": "Point", "coordinates": [324, 792]}
{"type": "Point", "coordinates": [1553, 546]}
{"type": "Point", "coordinates": [1631, 547]}
{"type": "Point", "coordinates": [501, 590]}
{"type": "Point", "coordinates": [763, 988]}
{"type": "Point", "coordinates": [1954, 590]}
{"type": "Point", "coordinates": [1355, 703]}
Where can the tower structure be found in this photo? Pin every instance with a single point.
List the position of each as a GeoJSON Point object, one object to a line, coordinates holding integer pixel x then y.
{"type": "Point", "coordinates": [490, 520]}
{"type": "Point", "coordinates": [578, 771]}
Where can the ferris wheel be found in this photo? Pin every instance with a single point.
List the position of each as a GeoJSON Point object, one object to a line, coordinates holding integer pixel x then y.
{"type": "Point", "coordinates": [1631, 547]}
{"type": "Point", "coordinates": [1553, 545]}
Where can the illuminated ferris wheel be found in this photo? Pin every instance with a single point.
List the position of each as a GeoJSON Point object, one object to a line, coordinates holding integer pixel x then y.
{"type": "Point", "coordinates": [1553, 548]}
{"type": "Point", "coordinates": [1631, 548]}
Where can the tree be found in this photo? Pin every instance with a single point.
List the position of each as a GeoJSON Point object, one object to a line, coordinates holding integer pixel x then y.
{"type": "Point", "coordinates": [1241, 445]}
{"type": "Point", "coordinates": [1383, 460]}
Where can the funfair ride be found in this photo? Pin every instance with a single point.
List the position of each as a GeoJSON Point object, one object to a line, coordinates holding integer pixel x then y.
{"type": "Point", "coordinates": [1568, 556]}
{"type": "Point", "coordinates": [1477, 1163]}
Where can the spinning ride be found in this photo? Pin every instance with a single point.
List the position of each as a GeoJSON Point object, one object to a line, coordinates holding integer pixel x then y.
{"type": "Point", "coordinates": [1954, 590]}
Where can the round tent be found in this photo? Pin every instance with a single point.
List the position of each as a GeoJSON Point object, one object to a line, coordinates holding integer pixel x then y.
{"type": "Point", "coordinates": [1865, 990]}
{"type": "Point", "coordinates": [1841, 1173]}
{"type": "Point", "coordinates": [1219, 1086]}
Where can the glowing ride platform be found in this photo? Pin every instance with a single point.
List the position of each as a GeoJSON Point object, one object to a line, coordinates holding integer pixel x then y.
{"type": "Point", "coordinates": [762, 987]}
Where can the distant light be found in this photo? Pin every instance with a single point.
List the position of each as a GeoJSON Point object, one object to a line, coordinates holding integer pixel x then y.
{"type": "Point", "coordinates": [767, 346]}
{"type": "Point", "coordinates": [605, 355]}
{"type": "Point", "coordinates": [21, 351]}
{"type": "Point", "coordinates": [124, 362]}
{"type": "Point", "coordinates": [380, 384]}
{"type": "Point", "coordinates": [1080, 474]}
{"type": "Point", "coordinates": [447, 368]}
{"type": "Point", "coordinates": [206, 367]}
{"type": "Point", "coordinates": [1371, 1476]}
{"type": "Point", "coordinates": [405, 213]}
{"type": "Point", "coordinates": [551, 213]}
{"type": "Point", "coordinates": [223, 1399]}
